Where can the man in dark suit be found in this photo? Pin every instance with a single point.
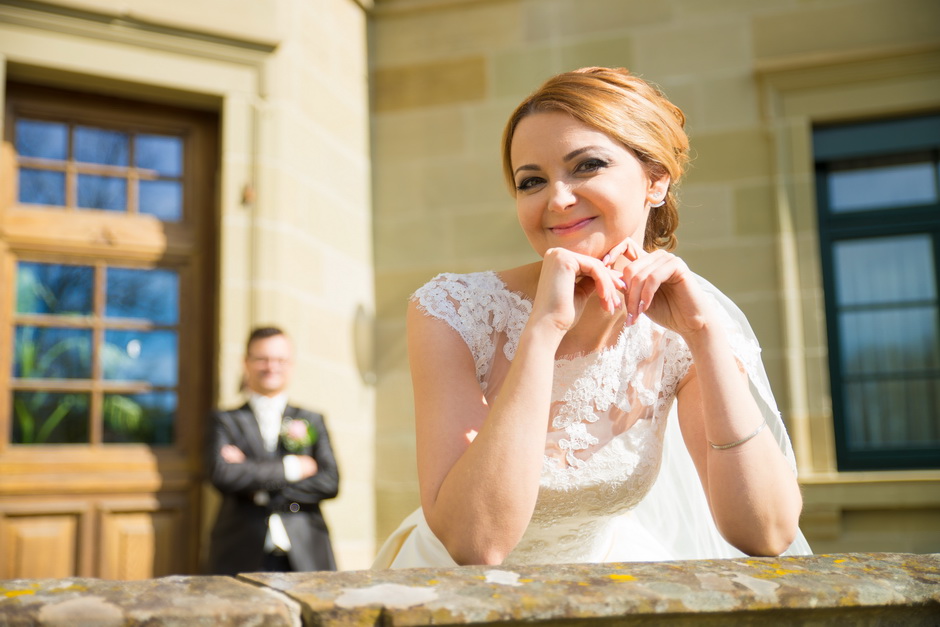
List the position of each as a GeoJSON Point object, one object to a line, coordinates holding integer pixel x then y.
{"type": "Point", "coordinates": [273, 464]}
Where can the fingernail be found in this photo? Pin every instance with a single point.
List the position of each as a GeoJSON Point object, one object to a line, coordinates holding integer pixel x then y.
{"type": "Point", "coordinates": [642, 307]}
{"type": "Point", "coordinates": [621, 283]}
{"type": "Point", "coordinates": [629, 319]}
{"type": "Point", "coordinates": [606, 259]}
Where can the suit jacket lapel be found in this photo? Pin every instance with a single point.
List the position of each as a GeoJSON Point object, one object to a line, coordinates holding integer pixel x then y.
{"type": "Point", "coordinates": [249, 426]}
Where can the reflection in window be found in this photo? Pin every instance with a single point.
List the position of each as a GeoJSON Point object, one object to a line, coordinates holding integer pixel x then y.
{"type": "Point", "coordinates": [148, 294]}
{"type": "Point", "coordinates": [140, 356]}
{"type": "Point", "coordinates": [42, 187]}
{"type": "Point", "coordinates": [144, 418]}
{"type": "Point", "coordinates": [59, 355]}
{"type": "Point", "coordinates": [97, 145]}
{"type": "Point", "coordinates": [51, 353]}
{"type": "Point", "coordinates": [162, 199]}
{"type": "Point", "coordinates": [890, 349]}
{"type": "Point", "coordinates": [102, 192]}
{"type": "Point", "coordinates": [42, 140]}
{"type": "Point", "coordinates": [48, 288]}
{"type": "Point", "coordinates": [95, 162]}
{"type": "Point", "coordinates": [882, 187]}
{"type": "Point", "coordinates": [162, 153]}
{"type": "Point", "coordinates": [50, 418]}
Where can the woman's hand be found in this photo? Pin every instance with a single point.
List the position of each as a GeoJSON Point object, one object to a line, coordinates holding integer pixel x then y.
{"type": "Point", "coordinates": [566, 281]}
{"type": "Point", "coordinates": [660, 285]}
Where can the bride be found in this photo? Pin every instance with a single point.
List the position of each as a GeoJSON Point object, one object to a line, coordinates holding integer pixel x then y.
{"type": "Point", "coordinates": [604, 403]}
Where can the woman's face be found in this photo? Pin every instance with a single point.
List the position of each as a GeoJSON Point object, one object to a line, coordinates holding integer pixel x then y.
{"type": "Point", "coordinates": [578, 188]}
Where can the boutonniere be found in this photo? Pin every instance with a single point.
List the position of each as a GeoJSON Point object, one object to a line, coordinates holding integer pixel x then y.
{"type": "Point", "coordinates": [297, 434]}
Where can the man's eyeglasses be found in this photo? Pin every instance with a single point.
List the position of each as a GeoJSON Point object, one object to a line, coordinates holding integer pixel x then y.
{"type": "Point", "coordinates": [274, 361]}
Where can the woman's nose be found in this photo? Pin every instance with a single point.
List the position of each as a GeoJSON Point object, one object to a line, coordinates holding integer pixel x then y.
{"type": "Point", "coordinates": [562, 196]}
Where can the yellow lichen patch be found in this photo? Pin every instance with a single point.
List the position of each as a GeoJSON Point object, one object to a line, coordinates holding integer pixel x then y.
{"type": "Point", "coordinates": [433, 582]}
{"type": "Point", "coordinates": [839, 561]}
{"type": "Point", "coordinates": [16, 593]}
{"type": "Point", "coordinates": [618, 577]}
{"type": "Point", "coordinates": [526, 580]}
{"type": "Point", "coordinates": [583, 583]}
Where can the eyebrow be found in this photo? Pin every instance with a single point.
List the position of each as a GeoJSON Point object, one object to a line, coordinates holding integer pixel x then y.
{"type": "Point", "coordinates": [568, 157]}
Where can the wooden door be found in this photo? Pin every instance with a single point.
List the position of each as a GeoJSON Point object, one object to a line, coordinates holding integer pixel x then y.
{"type": "Point", "coordinates": [106, 318]}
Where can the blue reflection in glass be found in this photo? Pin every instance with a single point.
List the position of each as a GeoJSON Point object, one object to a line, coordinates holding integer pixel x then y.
{"type": "Point", "coordinates": [51, 353]}
{"type": "Point", "coordinates": [102, 192]}
{"type": "Point", "coordinates": [163, 199]}
{"type": "Point", "coordinates": [43, 140]}
{"type": "Point", "coordinates": [141, 356]}
{"type": "Point", "coordinates": [41, 187]}
{"type": "Point", "coordinates": [163, 153]}
{"type": "Point", "coordinates": [144, 418]}
{"type": "Point", "coordinates": [50, 418]}
{"type": "Point", "coordinates": [147, 294]}
{"type": "Point", "coordinates": [97, 145]}
{"type": "Point", "coordinates": [882, 270]}
{"type": "Point", "coordinates": [49, 288]}
{"type": "Point", "coordinates": [886, 187]}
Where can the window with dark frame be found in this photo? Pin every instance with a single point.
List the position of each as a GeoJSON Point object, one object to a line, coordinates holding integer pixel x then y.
{"type": "Point", "coordinates": [878, 195]}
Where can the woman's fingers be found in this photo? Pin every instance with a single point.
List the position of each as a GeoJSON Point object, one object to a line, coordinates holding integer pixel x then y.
{"type": "Point", "coordinates": [643, 279]}
{"type": "Point", "coordinates": [628, 248]}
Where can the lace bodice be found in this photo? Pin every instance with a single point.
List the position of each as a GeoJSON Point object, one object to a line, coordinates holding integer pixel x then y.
{"type": "Point", "coordinates": [604, 444]}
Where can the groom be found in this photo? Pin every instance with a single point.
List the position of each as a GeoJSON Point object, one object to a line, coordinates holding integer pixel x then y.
{"type": "Point", "coordinates": [273, 464]}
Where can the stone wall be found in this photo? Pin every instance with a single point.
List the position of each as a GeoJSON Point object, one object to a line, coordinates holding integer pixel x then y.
{"type": "Point", "coordinates": [858, 589]}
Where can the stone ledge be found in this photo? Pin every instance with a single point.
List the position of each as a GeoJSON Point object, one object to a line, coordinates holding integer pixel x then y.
{"type": "Point", "coordinates": [177, 600]}
{"type": "Point", "coordinates": [866, 589]}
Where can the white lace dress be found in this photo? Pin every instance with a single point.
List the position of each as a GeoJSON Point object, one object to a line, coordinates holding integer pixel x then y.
{"type": "Point", "coordinates": [605, 445]}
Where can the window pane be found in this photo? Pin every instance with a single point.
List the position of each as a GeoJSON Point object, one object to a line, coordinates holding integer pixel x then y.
{"type": "Point", "coordinates": [51, 353]}
{"type": "Point", "coordinates": [102, 192]}
{"type": "Point", "coordinates": [886, 341]}
{"type": "Point", "coordinates": [893, 414]}
{"type": "Point", "coordinates": [48, 288]}
{"type": "Point", "coordinates": [44, 140]}
{"type": "Point", "coordinates": [144, 418]}
{"type": "Point", "coordinates": [147, 294]}
{"type": "Point", "coordinates": [49, 418]}
{"type": "Point", "coordinates": [41, 187]}
{"type": "Point", "coordinates": [885, 187]}
{"type": "Point", "coordinates": [162, 153]}
{"type": "Point", "coordinates": [97, 145]}
{"type": "Point", "coordinates": [141, 356]}
{"type": "Point", "coordinates": [163, 199]}
{"type": "Point", "coordinates": [884, 270]}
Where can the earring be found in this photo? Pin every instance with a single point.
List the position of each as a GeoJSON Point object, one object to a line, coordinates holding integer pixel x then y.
{"type": "Point", "coordinates": [659, 204]}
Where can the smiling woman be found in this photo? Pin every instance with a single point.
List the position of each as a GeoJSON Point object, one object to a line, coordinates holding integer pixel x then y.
{"type": "Point", "coordinates": [608, 387]}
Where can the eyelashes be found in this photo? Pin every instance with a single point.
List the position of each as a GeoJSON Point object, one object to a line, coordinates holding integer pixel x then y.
{"type": "Point", "coordinates": [587, 166]}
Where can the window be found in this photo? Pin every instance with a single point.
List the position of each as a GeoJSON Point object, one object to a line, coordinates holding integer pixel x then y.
{"type": "Point", "coordinates": [80, 166]}
{"type": "Point", "coordinates": [878, 189]}
{"type": "Point", "coordinates": [92, 367]}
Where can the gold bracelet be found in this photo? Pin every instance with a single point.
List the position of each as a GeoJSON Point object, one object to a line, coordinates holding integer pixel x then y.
{"type": "Point", "coordinates": [739, 442]}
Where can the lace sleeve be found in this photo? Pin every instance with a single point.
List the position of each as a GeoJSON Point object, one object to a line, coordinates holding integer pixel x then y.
{"type": "Point", "coordinates": [458, 301]}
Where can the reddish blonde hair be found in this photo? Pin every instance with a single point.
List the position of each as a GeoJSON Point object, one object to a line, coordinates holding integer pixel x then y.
{"type": "Point", "coordinates": [628, 109]}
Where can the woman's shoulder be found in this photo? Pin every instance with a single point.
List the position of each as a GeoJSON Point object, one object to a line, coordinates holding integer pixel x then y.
{"type": "Point", "coordinates": [453, 283]}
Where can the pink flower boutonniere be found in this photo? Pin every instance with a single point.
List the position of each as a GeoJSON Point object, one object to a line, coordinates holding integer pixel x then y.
{"type": "Point", "coordinates": [297, 434]}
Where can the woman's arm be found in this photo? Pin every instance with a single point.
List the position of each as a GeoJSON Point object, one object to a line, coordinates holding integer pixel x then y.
{"type": "Point", "coordinates": [752, 492]}
{"type": "Point", "coordinates": [479, 495]}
